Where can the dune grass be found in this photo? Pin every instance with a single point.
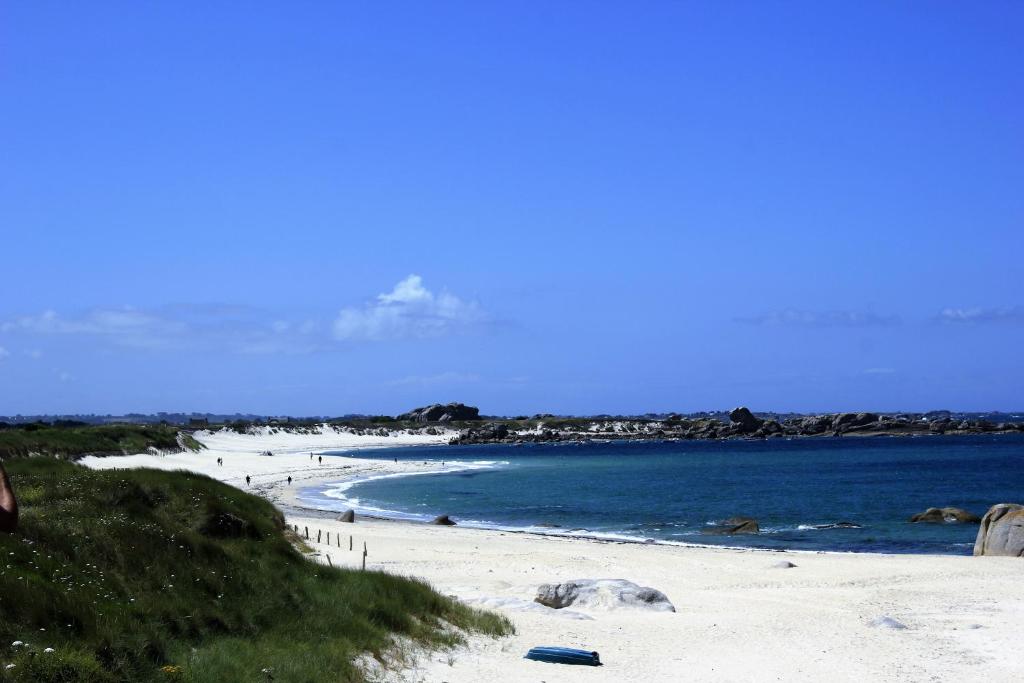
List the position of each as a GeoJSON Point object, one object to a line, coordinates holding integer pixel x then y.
{"type": "Point", "coordinates": [146, 576]}
{"type": "Point", "coordinates": [72, 441]}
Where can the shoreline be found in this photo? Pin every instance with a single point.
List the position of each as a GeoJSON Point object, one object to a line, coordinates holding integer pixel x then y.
{"type": "Point", "coordinates": [739, 617]}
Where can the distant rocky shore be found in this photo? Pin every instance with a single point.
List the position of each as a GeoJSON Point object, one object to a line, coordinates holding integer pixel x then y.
{"type": "Point", "coordinates": [740, 424]}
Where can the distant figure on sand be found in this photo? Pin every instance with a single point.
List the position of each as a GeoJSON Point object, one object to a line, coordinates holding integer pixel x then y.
{"type": "Point", "coordinates": [289, 480]}
{"type": "Point", "coordinates": [220, 462]}
{"type": "Point", "coordinates": [247, 479]}
{"type": "Point", "coordinates": [8, 504]}
{"type": "Point", "coordinates": [310, 456]}
{"type": "Point", "coordinates": [320, 458]}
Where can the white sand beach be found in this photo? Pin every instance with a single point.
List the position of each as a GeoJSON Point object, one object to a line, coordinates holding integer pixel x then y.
{"type": "Point", "coordinates": [833, 616]}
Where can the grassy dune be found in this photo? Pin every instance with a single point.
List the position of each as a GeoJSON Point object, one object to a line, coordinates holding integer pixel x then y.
{"type": "Point", "coordinates": [144, 575]}
{"type": "Point", "coordinates": [71, 441]}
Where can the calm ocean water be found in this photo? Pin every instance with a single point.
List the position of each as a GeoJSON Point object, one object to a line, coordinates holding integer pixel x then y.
{"type": "Point", "coordinates": [672, 491]}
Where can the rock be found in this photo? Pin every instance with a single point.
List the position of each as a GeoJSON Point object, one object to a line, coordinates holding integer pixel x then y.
{"type": "Point", "coordinates": [846, 421]}
{"type": "Point", "coordinates": [887, 622]}
{"type": "Point", "coordinates": [734, 525]}
{"type": "Point", "coordinates": [785, 564]}
{"type": "Point", "coordinates": [1001, 531]}
{"type": "Point", "coordinates": [838, 525]}
{"type": "Point", "coordinates": [602, 594]}
{"type": "Point", "coordinates": [450, 412]}
{"type": "Point", "coordinates": [347, 516]}
{"type": "Point", "coordinates": [744, 420]}
{"type": "Point", "coordinates": [945, 515]}
{"type": "Point", "coordinates": [443, 520]}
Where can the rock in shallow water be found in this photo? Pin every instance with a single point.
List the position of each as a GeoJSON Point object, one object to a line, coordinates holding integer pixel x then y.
{"type": "Point", "coordinates": [1001, 531]}
{"type": "Point", "coordinates": [604, 594]}
{"type": "Point", "coordinates": [946, 516]}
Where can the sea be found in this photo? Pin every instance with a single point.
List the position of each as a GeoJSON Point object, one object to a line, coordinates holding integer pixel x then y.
{"type": "Point", "coordinates": [845, 494]}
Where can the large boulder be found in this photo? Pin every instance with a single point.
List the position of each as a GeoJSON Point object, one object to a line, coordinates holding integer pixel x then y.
{"type": "Point", "coordinates": [946, 516]}
{"type": "Point", "coordinates": [347, 516]}
{"type": "Point", "coordinates": [449, 412]}
{"type": "Point", "coordinates": [1001, 531]}
{"type": "Point", "coordinates": [603, 594]}
{"type": "Point", "coordinates": [744, 420]}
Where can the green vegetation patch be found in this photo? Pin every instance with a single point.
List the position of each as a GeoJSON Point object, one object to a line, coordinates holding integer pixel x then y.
{"type": "Point", "coordinates": [140, 575]}
{"type": "Point", "coordinates": [73, 441]}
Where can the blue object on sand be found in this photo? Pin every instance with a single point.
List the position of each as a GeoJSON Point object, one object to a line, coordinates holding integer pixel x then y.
{"type": "Point", "coordinates": [564, 655]}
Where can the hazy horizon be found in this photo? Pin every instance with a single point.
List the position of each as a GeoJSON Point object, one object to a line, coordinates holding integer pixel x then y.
{"type": "Point", "coordinates": [568, 208]}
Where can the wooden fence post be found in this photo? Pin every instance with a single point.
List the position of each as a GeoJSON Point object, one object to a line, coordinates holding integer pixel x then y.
{"type": "Point", "coordinates": [318, 532]}
{"type": "Point", "coordinates": [307, 533]}
{"type": "Point", "coordinates": [364, 556]}
{"type": "Point", "coordinates": [350, 543]}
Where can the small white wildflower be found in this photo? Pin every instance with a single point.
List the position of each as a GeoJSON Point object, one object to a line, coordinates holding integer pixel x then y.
{"type": "Point", "coordinates": [17, 643]}
{"type": "Point", "coordinates": [49, 649]}
{"type": "Point", "coordinates": [9, 666]}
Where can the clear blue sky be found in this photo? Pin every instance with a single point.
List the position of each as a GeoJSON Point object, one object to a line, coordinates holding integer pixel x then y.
{"type": "Point", "coordinates": [574, 207]}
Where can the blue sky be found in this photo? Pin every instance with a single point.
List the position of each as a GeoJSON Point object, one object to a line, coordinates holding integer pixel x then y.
{"type": "Point", "coordinates": [324, 208]}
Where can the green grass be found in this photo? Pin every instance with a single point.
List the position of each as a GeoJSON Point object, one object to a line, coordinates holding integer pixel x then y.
{"type": "Point", "coordinates": [70, 442]}
{"type": "Point", "coordinates": [131, 571]}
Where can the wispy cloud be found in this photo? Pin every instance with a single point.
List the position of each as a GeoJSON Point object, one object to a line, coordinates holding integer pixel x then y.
{"type": "Point", "coordinates": [409, 310]}
{"type": "Point", "coordinates": [880, 371]}
{"type": "Point", "coordinates": [4, 353]}
{"type": "Point", "coordinates": [791, 317]}
{"type": "Point", "coordinates": [439, 379]}
{"type": "Point", "coordinates": [178, 327]}
{"type": "Point", "coordinates": [1013, 315]}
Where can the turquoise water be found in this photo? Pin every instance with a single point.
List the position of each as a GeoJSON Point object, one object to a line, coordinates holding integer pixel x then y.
{"type": "Point", "coordinates": [672, 491]}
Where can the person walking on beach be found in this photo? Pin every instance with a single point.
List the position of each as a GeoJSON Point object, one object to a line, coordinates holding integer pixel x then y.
{"type": "Point", "coordinates": [247, 479]}
{"type": "Point", "coordinates": [310, 456]}
{"type": "Point", "coordinates": [289, 480]}
{"type": "Point", "coordinates": [8, 504]}
{"type": "Point", "coordinates": [320, 458]}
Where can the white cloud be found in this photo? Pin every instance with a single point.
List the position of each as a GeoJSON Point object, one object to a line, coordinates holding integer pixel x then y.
{"type": "Point", "coordinates": [409, 310]}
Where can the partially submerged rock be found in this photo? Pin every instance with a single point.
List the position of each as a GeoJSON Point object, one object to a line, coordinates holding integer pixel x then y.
{"type": "Point", "coordinates": [734, 525]}
{"type": "Point", "coordinates": [602, 594]}
{"type": "Point", "coordinates": [784, 564]}
{"type": "Point", "coordinates": [946, 516]}
{"type": "Point", "coordinates": [1001, 531]}
{"type": "Point", "coordinates": [443, 520]}
{"type": "Point", "coordinates": [347, 516]}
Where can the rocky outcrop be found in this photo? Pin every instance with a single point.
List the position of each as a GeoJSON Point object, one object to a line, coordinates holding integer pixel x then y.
{"type": "Point", "coordinates": [744, 420]}
{"type": "Point", "coordinates": [347, 516]}
{"type": "Point", "coordinates": [945, 516]}
{"type": "Point", "coordinates": [1001, 531]}
{"type": "Point", "coordinates": [602, 594]}
{"type": "Point", "coordinates": [443, 520]}
{"type": "Point", "coordinates": [449, 412]}
{"type": "Point", "coordinates": [488, 433]}
{"type": "Point", "coordinates": [734, 525]}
